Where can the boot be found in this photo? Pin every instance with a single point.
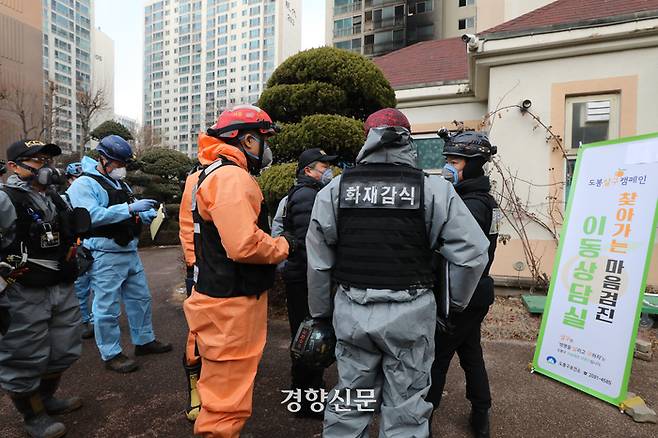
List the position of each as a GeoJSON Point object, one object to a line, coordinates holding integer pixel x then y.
{"type": "Point", "coordinates": [121, 364]}
{"type": "Point", "coordinates": [480, 422]}
{"type": "Point", "coordinates": [153, 347]}
{"type": "Point", "coordinates": [87, 330]}
{"type": "Point", "coordinates": [37, 423]}
{"type": "Point", "coordinates": [193, 373]}
{"type": "Point", "coordinates": [55, 406]}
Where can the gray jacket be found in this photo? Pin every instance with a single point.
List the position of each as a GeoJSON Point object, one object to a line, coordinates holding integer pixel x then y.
{"type": "Point", "coordinates": [8, 212]}
{"type": "Point", "coordinates": [451, 230]}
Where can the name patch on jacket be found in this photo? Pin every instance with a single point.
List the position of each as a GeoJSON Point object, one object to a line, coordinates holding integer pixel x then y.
{"type": "Point", "coordinates": [380, 194]}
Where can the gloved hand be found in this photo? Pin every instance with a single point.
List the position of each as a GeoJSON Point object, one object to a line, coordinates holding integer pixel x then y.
{"type": "Point", "coordinates": [148, 216]}
{"type": "Point", "coordinates": [445, 326]}
{"type": "Point", "coordinates": [189, 280]}
{"type": "Point", "coordinates": [292, 242]}
{"type": "Point", "coordinates": [142, 205]}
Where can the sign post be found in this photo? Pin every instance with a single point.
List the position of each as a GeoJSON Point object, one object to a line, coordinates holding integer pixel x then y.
{"type": "Point", "coordinates": [588, 331]}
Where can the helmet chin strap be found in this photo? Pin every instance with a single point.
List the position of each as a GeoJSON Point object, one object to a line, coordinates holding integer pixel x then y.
{"type": "Point", "coordinates": [254, 168]}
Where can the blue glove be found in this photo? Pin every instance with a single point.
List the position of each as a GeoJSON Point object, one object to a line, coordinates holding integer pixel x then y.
{"type": "Point", "coordinates": [142, 205]}
{"type": "Point", "coordinates": [148, 216]}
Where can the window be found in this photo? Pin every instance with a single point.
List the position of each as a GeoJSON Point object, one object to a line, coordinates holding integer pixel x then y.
{"type": "Point", "coordinates": [463, 3]}
{"type": "Point", "coordinates": [588, 119]}
{"type": "Point", "coordinates": [421, 7]}
{"type": "Point", "coordinates": [429, 148]}
{"type": "Point", "coordinates": [467, 23]}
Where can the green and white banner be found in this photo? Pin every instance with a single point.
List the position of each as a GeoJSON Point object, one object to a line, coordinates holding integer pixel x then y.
{"type": "Point", "coordinates": [588, 330]}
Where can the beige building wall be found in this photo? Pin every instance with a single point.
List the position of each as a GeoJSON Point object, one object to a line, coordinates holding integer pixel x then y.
{"type": "Point", "coordinates": [491, 13]}
{"type": "Point", "coordinates": [523, 148]}
{"type": "Point", "coordinates": [21, 70]}
{"type": "Point", "coordinates": [452, 13]}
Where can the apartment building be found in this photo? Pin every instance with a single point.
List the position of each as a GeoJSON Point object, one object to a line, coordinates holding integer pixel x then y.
{"type": "Point", "coordinates": [377, 27]}
{"type": "Point", "coordinates": [202, 56]}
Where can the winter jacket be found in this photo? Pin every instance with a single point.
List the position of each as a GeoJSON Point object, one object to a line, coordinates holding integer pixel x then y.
{"type": "Point", "coordinates": [298, 215]}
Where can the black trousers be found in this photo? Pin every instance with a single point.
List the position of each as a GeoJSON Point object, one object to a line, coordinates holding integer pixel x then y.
{"type": "Point", "coordinates": [303, 377]}
{"type": "Point", "coordinates": [465, 341]}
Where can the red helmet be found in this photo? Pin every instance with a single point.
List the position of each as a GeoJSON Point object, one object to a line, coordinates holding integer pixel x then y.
{"type": "Point", "coordinates": [386, 117]}
{"type": "Point", "coordinates": [242, 118]}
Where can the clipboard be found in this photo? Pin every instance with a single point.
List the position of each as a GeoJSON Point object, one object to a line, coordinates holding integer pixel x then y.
{"type": "Point", "coordinates": [160, 218]}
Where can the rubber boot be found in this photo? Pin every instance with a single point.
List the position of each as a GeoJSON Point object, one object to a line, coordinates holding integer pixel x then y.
{"type": "Point", "coordinates": [36, 421]}
{"type": "Point", "coordinates": [480, 422]}
{"type": "Point", "coordinates": [192, 373]}
{"type": "Point", "coordinates": [56, 406]}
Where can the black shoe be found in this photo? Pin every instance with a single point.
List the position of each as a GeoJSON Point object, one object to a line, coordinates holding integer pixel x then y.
{"type": "Point", "coordinates": [56, 406]}
{"type": "Point", "coordinates": [37, 423]}
{"type": "Point", "coordinates": [87, 330]}
{"type": "Point", "coordinates": [480, 422]}
{"type": "Point", "coordinates": [121, 364]}
{"type": "Point", "coordinates": [153, 347]}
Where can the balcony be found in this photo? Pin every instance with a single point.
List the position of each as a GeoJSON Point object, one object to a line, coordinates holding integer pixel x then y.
{"type": "Point", "coordinates": [382, 48]}
{"type": "Point", "coordinates": [383, 24]}
{"type": "Point", "coordinates": [346, 9]}
{"type": "Point", "coordinates": [354, 30]}
{"type": "Point", "coordinates": [379, 3]}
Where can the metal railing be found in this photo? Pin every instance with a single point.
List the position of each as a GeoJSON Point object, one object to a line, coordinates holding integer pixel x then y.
{"type": "Point", "coordinates": [347, 31]}
{"type": "Point", "coordinates": [344, 9]}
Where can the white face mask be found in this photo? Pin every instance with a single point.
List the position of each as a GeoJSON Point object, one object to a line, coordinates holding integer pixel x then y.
{"type": "Point", "coordinates": [118, 174]}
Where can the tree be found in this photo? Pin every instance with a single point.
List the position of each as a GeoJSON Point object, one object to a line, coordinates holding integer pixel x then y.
{"type": "Point", "coordinates": [89, 102]}
{"type": "Point", "coordinates": [111, 127]}
{"type": "Point", "coordinates": [329, 81]}
{"type": "Point", "coordinates": [35, 112]}
{"type": "Point", "coordinates": [148, 137]}
{"type": "Point", "coordinates": [321, 97]}
{"type": "Point", "coordinates": [159, 172]}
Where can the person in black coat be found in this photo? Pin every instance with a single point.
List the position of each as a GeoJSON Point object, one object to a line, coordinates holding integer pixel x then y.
{"type": "Point", "coordinates": [313, 173]}
{"type": "Point", "coordinates": [466, 153]}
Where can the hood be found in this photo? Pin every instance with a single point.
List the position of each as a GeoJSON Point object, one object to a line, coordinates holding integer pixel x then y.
{"type": "Point", "coordinates": [210, 148]}
{"type": "Point", "coordinates": [89, 165]}
{"type": "Point", "coordinates": [15, 182]}
{"type": "Point", "coordinates": [391, 145]}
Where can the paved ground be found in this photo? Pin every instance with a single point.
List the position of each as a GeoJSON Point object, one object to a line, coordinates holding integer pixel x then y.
{"type": "Point", "coordinates": [149, 403]}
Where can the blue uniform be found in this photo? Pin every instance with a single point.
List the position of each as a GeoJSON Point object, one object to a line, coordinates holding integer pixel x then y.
{"type": "Point", "coordinates": [117, 273]}
{"type": "Point", "coordinates": [83, 292]}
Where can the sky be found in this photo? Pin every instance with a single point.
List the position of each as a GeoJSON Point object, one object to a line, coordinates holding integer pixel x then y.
{"type": "Point", "coordinates": [122, 20]}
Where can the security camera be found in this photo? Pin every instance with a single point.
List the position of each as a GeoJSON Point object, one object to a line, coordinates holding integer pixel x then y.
{"type": "Point", "coordinates": [472, 41]}
{"type": "Point", "coordinates": [525, 105]}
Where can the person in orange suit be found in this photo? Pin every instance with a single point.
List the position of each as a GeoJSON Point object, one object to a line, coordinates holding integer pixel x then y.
{"type": "Point", "coordinates": [191, 360]}
{"type": "Point", "coordinates": [235, 263]}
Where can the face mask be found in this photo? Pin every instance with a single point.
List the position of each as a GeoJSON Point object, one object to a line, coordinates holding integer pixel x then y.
{"type": "Point", "coordinates": [267, 157]}
{"type": "Point", "coordinates": [255, 163]}
{"type": "Point", "coordinates": [326, 177]}
{"type": "Point", "coordinates": [118, 174]}
{"type": "Point", "coordinates": [451, 173]}
{"type": "Point", "coordinates": [44, 176]}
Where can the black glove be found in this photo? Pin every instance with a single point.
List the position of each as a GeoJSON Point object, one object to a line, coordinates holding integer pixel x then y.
{"type": "Point", "coordinates": [445, 326]}
{"type": "Point", "coordinates": [189, 280]}
{"type": "Point", "coordinates": [292, 242]}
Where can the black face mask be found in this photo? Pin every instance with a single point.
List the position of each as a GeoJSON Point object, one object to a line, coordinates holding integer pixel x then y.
{"type": "Point", "coordinates": [45, 176]}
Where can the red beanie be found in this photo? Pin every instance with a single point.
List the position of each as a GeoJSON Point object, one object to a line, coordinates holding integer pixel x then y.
{"type": "Point", "coordinates": [386, 117]}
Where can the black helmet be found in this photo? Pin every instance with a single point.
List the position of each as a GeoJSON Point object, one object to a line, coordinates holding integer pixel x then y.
{"type": "Point", "coordinates": [467, 144]}
{"type": "Point", "coordinates": [314, 343]}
